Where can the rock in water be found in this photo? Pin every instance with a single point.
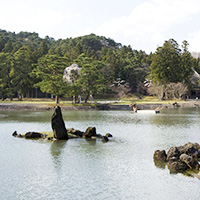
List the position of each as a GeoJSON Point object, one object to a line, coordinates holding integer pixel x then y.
{"type": "Point", "coordinates": [105, 139]}
{"type": "Point", "coordinates": [31, 135]}
{"type": "Point", "coordinates": [15, 134]}
{"type": "Point", "coordinates": [90, 132]}
{"type": "Point", "coordinates": [58, 125]}
{"type": "Point", "coordinates": [173, 152]}
{"type": "Point", "coordinates": [176, 166]}
{"type": "Point", "coordinates": [189, 161]}
{"type": "Point", "coordinates": [160, 155]}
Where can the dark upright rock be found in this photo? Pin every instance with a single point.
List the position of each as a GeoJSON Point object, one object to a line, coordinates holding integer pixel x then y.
{"type": "Point", "coordinates": [58, 125]}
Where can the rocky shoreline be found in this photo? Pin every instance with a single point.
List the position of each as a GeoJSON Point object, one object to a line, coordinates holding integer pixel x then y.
{"type": "Point", "coordinates": [145, 106]}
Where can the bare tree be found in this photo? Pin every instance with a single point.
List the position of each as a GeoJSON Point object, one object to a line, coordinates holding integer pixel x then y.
{"type": "Point", "coordinates": [158, 90]}
{"type": "Point", "coordinates": [168, 91]}
{"type": "Point", "coordinates": [176, 90]}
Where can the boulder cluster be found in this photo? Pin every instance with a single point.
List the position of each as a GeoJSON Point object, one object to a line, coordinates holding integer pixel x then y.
{"type": "Point", "coordinates": [89, 133]}
{"type": "Point", "coordinates": [61, 133]}
{"type": "Point", "coordinates": [179, 159]}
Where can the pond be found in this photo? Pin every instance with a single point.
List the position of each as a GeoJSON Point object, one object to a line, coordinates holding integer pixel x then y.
{"type": "Point", "coordinates": [83, 169]}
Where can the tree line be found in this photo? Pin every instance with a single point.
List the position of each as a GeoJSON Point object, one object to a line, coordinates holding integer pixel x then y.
{"type": "Point", "coordinates": [171, 70]}
{"type": "Point", "coordinates": [28, 62]}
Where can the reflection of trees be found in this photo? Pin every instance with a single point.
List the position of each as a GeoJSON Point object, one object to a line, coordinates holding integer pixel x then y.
{"type": "Point", "coordinates": [28, 116]}
{"type": "Point", "coordinates": [56, 151]}
{"type": "Point", "coordinates": [172, 117]}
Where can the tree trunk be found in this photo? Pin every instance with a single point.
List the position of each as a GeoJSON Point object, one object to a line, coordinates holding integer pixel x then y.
{"type": "Point", "coordinates": [57, 99]}
{"type": "Point", "coordinates": [19, 96]}
{"type": "Point", "coordinates": [87, 97]}
{"type": "Point", "coordinates": [27, 93]}
{"type": "Point", "coordinates": [19, 93]}
{"type": "Point", "coordinates": [74, 99]}
{"type": "Point", "coordinates": [10, 90]}
{"type": "Point", "coordinates": [36, 93]}
{"type": "Point", "coordinates": [32, 93]}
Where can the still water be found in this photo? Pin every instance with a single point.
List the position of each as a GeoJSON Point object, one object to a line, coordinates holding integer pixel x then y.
{"type": "Point", "coordinates": [81, 169]}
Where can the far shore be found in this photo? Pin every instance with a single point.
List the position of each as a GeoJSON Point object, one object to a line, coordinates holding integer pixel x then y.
{"type": "Point", "coordinates": [103, 105]}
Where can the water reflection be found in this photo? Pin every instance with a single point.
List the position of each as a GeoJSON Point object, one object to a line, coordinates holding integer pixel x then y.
{"type": "Point", "coordinates": [26, 116]}
{"type": "Point", "coordinates": [174, 117]}
{"type": "Point", "coordinates": [91, 142]}
{"type": "Point", "coordinates": [57, 147]}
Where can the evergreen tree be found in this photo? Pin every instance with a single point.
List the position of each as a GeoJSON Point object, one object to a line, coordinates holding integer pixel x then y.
{"type": "Point", "coordinates": [92, 79]}
{"type": "Point", "coordinates": [7, 88]}
{"type": "Point", "coordinates": [50, 70]}
{"type": "Point", "coordinates": [165, 66]}
{"type": "Point", "coordinates": [23, 68]}
{"type": "Point", "coordinates": [186, 63]}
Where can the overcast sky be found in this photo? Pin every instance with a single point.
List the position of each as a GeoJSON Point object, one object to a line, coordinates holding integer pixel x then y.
{"type": "Point", "coordinates": [143, 24]}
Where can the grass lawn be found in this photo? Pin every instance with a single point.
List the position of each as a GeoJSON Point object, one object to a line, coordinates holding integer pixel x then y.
{"type": "Point", "coordinates": [123, 101]}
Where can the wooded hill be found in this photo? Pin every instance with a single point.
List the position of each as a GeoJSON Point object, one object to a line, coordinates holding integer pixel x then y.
{"type": "Point", "coordinates": [28, 62]}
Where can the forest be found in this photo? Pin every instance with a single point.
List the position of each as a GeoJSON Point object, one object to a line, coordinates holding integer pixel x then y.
{"type": "Point", "coordinates": [30, 65]}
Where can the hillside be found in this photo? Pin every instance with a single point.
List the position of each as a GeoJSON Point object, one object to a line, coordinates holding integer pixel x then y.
{"type": "Point", "coordinates": [22, 52]}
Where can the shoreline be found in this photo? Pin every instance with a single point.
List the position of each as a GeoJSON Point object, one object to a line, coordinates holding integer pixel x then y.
{"type": "Point", "coordinates": [142, 106]}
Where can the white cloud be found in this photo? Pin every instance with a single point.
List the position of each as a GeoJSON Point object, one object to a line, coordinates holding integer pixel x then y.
{"type": "Point", "coordinates": [145, 27]}
{"type": "Point", "coordinates": [194, 39]}
{"type": "Point", "coordinates": [33, 17]}
{"type": "Point", "coordinates": [150, 23]}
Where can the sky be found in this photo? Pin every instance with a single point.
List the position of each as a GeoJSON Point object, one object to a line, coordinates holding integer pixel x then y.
{"type": "Point", "coordinates": [142, 24]}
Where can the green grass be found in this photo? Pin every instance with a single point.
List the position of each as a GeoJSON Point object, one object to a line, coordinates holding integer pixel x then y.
{"type": "Point", "coordinates": [144, 100]}
{"type": "Point", "coordinates": [123, 101]}
{"type": "Point", "coordinates": [49, 134]}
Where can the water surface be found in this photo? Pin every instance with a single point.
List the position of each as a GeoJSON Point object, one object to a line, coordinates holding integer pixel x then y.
{"type": "Point", "coordinates": [86, 169]}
